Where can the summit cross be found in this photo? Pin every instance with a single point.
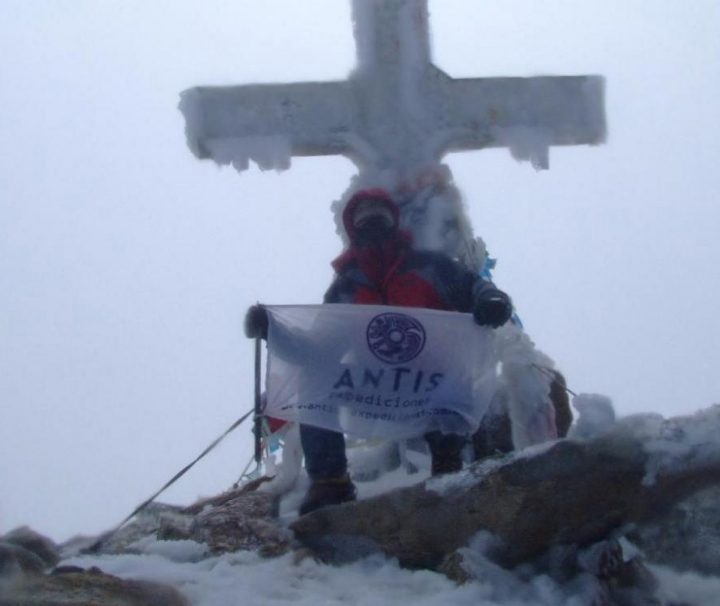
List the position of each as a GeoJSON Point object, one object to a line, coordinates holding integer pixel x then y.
{"type": "Point", "coordinates": [396, 111]}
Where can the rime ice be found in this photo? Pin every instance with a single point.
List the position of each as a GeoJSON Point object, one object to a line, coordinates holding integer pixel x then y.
{"type": "Point", "coordinates": [396, 111]}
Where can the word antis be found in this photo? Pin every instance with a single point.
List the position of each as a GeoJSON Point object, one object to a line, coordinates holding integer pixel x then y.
{"type": "Point", "coordinates": [393, 379]}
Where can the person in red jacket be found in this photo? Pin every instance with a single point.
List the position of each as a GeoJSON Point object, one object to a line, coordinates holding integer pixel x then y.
{"type": "Point", "coordinates": [380, 267]}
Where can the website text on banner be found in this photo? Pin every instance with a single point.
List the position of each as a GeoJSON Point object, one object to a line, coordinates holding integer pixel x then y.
{"type": "Point", "coordinates": [378, 371]}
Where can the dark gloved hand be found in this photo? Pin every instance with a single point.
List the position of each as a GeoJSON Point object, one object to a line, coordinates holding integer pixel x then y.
{"type": "Point", "coordinates": [493, 309]}
{"type": "Point", "coordinates": [256, 322]}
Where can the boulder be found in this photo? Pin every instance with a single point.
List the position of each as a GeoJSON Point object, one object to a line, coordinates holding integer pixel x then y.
{"type": "Point", "coordinates": [81, 588]}
{"type": "Point", "coordinates": [146, 524]}
{"type": "Point", "coordinates": [565, 493]}
{"type": "Point", "coordinates": [25, 551]}
{"type": "Point", "coordinates": [34, 542]}
{"type": "Point", "coordinates": [247, 522]}
{"type": "Point", "coordinates": [606, 573]}
{"type": "Point", "coordinates": [239, 519]}
{"type": "Point", "coordinates": [16, 560]}
{"type": "Point", "coordinates": [687, 537]}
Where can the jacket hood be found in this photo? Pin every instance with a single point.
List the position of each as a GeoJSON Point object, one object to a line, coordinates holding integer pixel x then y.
{"type": "Point", "coordinates": [377, 194]}
{"type": "Point", "coordinates": [370, 258]}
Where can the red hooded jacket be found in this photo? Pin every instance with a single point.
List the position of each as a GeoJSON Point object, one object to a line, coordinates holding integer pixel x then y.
{"type": "Point", "coordinates": [395, 274]}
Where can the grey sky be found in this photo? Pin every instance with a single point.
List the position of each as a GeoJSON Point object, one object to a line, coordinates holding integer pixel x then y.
{"type": "Point", "coordinates": [126, 265]}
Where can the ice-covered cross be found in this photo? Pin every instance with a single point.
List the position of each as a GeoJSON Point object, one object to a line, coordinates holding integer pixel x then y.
{"type": "Point", "coordinates": [397, 111]}
{"type": "Point", "coordinates": [395, 117]}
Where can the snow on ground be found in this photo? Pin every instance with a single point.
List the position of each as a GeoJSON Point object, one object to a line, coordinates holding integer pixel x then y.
{"type": "Point", "coordinates": [687, 587]}
{"type": "Point", "coordinates": [246, 578]}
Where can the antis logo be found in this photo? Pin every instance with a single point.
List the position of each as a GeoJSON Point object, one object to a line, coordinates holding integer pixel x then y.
{"type": "Point", "coordinates": [395, 338]}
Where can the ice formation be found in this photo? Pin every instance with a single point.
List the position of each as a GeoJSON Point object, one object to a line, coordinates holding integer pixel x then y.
{"type": "Point", "coordinates": [681, 443]}
{"type": "Point", "coordinates": [395, 116]}
{"type": "Point", "coordinates": [596, 416]}
{"type": "Point", "coordinates": [396, 111]}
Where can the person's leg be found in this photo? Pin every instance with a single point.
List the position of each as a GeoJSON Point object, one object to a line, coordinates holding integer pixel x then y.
{"type": "Point", "coordinates": [445, 451]}
{"type": "Point", "coordinates": [494, 436]}
{"type": "Point", "coordinates": [326, 464]}
{"type": "Point", "coordinates": [324, 452]}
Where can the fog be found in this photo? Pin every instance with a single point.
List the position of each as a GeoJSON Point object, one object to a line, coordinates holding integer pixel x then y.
{"type": "Point", "coordinates": [126, 265]}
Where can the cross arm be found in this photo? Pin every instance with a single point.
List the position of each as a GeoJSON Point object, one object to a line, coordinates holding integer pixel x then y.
{"type": "Point", "coordinates": [268, 123]}
{"type": "Point", "coordinates": [525, 114]}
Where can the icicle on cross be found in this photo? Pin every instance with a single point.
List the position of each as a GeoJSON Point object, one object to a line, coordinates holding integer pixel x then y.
{"type": "Point", "coordinates": [397, 111]}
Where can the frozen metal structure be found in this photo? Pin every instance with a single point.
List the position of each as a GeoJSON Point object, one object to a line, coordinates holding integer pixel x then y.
{"type": "Point", "coordinates": [396, 111]}
{"type": "Point", "coordinates": [394, 117]}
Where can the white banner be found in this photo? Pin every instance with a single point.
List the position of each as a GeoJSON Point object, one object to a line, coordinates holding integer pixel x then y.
{"type": "Point", "coordinates": [378, 371]}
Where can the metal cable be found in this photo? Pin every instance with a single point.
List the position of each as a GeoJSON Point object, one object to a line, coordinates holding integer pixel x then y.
{"type": "Point", "coordinates": [96, 546]}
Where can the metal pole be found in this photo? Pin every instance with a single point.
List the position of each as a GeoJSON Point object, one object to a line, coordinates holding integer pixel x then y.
{"type": "Point", "coordinates": [258, 404]}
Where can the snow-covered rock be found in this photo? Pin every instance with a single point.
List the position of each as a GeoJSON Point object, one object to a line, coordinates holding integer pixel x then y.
{"type": "Point", "coordinates": [77, 587]}
{"type": "Point", "coordinates": [565, 493]}
{"type": "Point", "coordinates": [687, 537]}
{"type": "Point", "coordinates": [541, 526]}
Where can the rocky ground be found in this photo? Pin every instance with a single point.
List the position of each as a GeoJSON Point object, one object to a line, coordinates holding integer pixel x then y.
{"type": "Point", "coordinates": [592, 512]}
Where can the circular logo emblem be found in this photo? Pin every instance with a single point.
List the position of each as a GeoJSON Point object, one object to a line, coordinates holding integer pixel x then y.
{"type": "Point", "coordinates": [395, 338]}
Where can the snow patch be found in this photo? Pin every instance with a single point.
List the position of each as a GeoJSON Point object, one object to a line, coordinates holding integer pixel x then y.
{"type": "Point", "coordinates": [175, 551]}
{"type": "Point", "coordinates": [596, 416]}
{"type": "Point", "coordinates": [471, 476]}
{"type": "Point", "coordinates": [245, 578]}
{"type": "Point", "coordinates": [682, 443]}
{"type": "Point", "coordinates": [686, 587]}
{"type": "Point", "coordinates": [502, 586]}
{"type": "Point", "coordinates": [461, 480]}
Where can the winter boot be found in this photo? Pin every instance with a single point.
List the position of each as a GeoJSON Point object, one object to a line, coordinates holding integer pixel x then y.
{"type": "Point", "coordinates": [328, 491]}
{"type": "Point", "coordinates": [445, 452]}
{"type": "Point", "coordinates": [494, 436]}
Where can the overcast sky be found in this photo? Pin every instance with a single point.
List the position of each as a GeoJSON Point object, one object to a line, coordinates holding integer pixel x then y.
{"type": "Point", "coordinates": [126, 265]}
